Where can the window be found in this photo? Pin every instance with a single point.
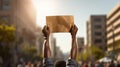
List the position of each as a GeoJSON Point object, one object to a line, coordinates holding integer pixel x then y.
{"type": "Point", "coordinates": [98, 40]}
{"type": "Point", "coordinates": [97, 26]}
{"type": "Point", "coordinates": [5, 4]}
{"type": "Point", "coordinates": [4, 19]}
{"type": "Point", "coordinates": [97, 20]}
{"type": "Point", "coordinates": [98, 33]}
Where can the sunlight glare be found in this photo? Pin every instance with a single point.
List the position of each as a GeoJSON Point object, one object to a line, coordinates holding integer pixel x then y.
{"type": "Point", "coordinates": [44, 8]}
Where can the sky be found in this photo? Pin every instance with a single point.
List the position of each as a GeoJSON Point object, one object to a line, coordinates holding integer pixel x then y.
{"type": "Point", "coordinates": [80, 9]}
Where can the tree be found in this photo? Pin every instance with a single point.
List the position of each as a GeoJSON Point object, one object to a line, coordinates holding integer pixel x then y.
{"type": "Point", "coordinates": [7, 33]}
{"type": "Point", "coordinates": [30, 52]}
{"type": "Point", "coordinates": [92, 53]}
{"type": "Point", "coordinates": [7, 36]}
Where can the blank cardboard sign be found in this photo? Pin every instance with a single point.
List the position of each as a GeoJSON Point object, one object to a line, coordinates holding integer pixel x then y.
{"type": "Point", "coordinates": [59, 23]}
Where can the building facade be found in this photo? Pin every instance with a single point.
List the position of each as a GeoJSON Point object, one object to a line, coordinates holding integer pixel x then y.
{"type": "Point", "coordinates": [113, 30]}
{"type": "Point", "coordinates": [21, 14]}
{"type": "Point", "coordinates": [96, 31]}
{"type": "Point", "coordinates": [25, 20]}
{"type": "Point", "coordinates": [80, 42]}
{"type": "Point", "coordinates": [6, 11]}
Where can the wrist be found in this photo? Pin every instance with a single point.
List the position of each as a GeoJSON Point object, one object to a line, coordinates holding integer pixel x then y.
{"type": "Point", "coordinates": [47, 37]}
{"type": "Point", "coordinates": [73, 37]}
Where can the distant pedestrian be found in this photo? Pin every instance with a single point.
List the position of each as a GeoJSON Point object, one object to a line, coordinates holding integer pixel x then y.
{"type": "Point", "coordinates": [112, 64]}
{"type": "Point", "coordinates": [85, 65]}
{"type": "Point", "coordinates": [29, 64]}
{"type": "Point", "coordinates": [118, 64]}
{"type": "Point", "coordinates": [20, 64]}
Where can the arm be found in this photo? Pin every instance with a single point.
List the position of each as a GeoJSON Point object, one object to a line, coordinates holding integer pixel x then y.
{"type": "Point", "coordinates": [73, 53]}
{"type": "Point", "coordinates": [47, 52]}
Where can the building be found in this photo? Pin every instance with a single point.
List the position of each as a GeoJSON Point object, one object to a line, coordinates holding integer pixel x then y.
{"type": "Point", "coordinates": [22, 14]}
{"type": "Point", "coordinates": [6, 11]}
{"type": "Point", "coordinates": [113, 30]}
{"type": "Point", "coordinates": [39, 40]}
{"type": "Point", "coordinates": [53, 46]}
{"type": "Point", "coordinates": [25, 20]}
{"type": "Point", "coordinates": [57, 54]}
{"type": "Point", "coordinates": [80, 41]}
{"type": "Point", "coordinates": [96, 31]}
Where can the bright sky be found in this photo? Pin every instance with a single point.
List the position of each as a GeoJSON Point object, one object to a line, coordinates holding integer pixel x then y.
{"type": "Point", "coordinates": [81, 9]}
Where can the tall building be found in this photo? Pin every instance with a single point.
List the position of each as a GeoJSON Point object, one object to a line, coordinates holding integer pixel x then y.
{"type": "Point", "coordinates": [6, 11]}
{"type": "Point", "coordinates": [80, 41]}
{"type": "Point", "coordinates": [25, 20]}
{"type": "Point", "coordinates": [56, 52]}
{"type": "Point", "coordinates": [113, 30]}
{"type": "Point", "coordinates": [39, 41]}
{"type": "Point", "coordinates": [96, 31]}
{"type": "Point", "coordinates": [22, 14]}
{"type": "Point", "coordinates": [53, 46]}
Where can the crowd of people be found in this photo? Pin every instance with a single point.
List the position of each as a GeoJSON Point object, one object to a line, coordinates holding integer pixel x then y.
{"type": "Point", "coordinates": [30, 64]}
{"type": "Point", "coordinates": [84, 64]}
{"type": "Point", "coordinates": [100, 64]}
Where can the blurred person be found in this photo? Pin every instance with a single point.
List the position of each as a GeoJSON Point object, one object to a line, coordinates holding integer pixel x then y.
{"type": "Point", "coordinates": [112, 64]}
{"type": "Point", "coordinates": [39, 64]}
{"type": "Point", "coordinates": [60, 63]}
{"type": "Point", "coordinates": [90, 64]}
{"type": "Point", "coordinates": [20, 64]}
{"type": "Point", "coordinates": [107, 64]}
{"type": "Point", "coordinates": [47, 52]}
{"type": "Point", "coordinates": [118, 64]}
{"type": "Point", "coordinates": [99, 64]}
{"type": "Point", "coordinates": [29, 64]}
{"type": "Point", "coordinates": [85, 64]}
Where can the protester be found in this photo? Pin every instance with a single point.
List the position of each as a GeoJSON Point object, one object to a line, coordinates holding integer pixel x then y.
{"type": "Point", "coordinates": [20, 64]}
{"type": "Point", "coordinates": [47, 52]}
{"type": "Point", "coordinates": [85, 64]}
{"type": "Point", "coordinates": [60, 63]}
{"type": "Point", "coordinates": [29, 64]}
{"type": "Point", "coordinates": [112, 64]}
{"type": "Point", "coordinates": [118, 64]}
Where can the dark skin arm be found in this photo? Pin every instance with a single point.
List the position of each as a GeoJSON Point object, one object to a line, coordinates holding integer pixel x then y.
{"type": "Point", "coordinates": [73, 32]}
{"type": "Point", "coordinates": [47, 51]}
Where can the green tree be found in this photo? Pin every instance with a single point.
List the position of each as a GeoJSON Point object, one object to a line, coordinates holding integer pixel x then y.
{"type": "Point", "coordinates": [30, 52]}
{"type": "Point", "coordinates": [7, 36]}
{"type": "Point", "coordinates": [92, 53]}
{"type": "Point", "coordinates": [7, 33]}
{"type": "Point", "coordinates": [97, 52]}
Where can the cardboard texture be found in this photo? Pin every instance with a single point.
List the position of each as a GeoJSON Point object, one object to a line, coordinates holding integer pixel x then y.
{"type": "Point", "coordinates": [59, 23]}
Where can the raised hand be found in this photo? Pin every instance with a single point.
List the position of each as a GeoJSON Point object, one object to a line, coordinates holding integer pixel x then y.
{"type": "Point", "coordinates": [46, 31]}
{"type": "Point", "coordinates": [73, 31]}
{"type": "Point", "coordinates": [47, 51]}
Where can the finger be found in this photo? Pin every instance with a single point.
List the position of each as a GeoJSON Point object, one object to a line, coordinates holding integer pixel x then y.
{"type": "Point", "coordinates": [48, 28]}
{"type": "Point", "coordinates": [75, 27]}
{"type": "Point", "coordinates": [44, 28]}
{"type": "Point", "coordinates": [72, 27]}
